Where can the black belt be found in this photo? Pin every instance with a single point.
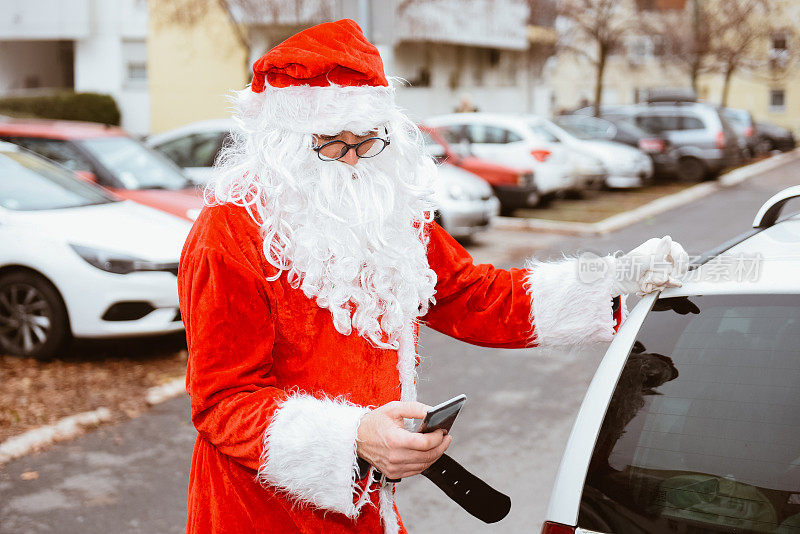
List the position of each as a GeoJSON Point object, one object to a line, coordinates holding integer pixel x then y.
{"type": "Point", "coordinates": [468, 491]}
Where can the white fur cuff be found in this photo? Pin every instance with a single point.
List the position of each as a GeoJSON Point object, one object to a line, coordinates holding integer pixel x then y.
{"type": "Point", "coordinates": [566, 310]}
{"type": "Point", "coordinates": [310, 452]}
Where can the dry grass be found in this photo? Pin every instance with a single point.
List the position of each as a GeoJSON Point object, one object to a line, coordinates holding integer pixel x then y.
{"type": "Point", "coordinates": [602, 204]}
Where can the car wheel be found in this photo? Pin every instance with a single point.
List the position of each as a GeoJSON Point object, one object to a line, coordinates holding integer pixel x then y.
{"type": "Point", "coordinates": [33, 319]}
{"type": "Point", "coordinates": [763, 147]}
{"type": "Point", "coordinates": [691, 170]}
{"type": "Point", "coordinates": [507, 211]}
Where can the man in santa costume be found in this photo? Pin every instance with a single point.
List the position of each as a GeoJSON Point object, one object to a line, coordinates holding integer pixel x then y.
{"type": "Point", "coordinates": [303, 284]}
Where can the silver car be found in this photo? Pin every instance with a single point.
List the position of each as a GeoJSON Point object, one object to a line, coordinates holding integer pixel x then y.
{"type": "Point", "coordinates": [704, 140]}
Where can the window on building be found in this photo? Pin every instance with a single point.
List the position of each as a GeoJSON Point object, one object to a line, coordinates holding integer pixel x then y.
{"type": "Point", "coordinates": [134, 57]}
{"type": "Point", "coordinates": [777, 100]}
{"type": "Point", "coordinates": [779, 51]}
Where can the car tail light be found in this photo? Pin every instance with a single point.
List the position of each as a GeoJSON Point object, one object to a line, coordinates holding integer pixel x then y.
{"type": "Point", "coordinates": [556, 528]}
{"type": "Point", "coordinates": [720, 140]}
{"type": "Point", "coordinates": [652, 145]}
{"type": "Point", "coordinates": [540, 155]}
{"type": "Point", "coordinates": [749, 131]}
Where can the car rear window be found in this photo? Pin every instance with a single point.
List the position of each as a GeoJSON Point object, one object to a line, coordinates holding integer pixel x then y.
{"type": "Point", "coordinates": [702, 433]}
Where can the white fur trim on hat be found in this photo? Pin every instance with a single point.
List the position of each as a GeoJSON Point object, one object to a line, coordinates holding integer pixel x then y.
{"type": "Point", "coordinates": [566, 310]}
{"type": "Point", "coordinates": [310, 453]}
{"type": "Point", "coordinates": [320, 110]}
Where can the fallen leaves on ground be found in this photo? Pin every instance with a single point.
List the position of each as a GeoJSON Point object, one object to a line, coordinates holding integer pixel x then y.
{"type": "Point", "coordinates": [113, 373]}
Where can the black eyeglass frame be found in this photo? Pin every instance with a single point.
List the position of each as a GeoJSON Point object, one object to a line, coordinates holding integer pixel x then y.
{"type": "Point", "coordinates": [347, 147]}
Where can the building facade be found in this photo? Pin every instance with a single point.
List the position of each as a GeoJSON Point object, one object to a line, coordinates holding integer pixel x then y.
{"type": "Point", "coordinates": [768, 88]}
{"type": "Point", "coordinates": [85, 45]}
{"type": "Point", "coordinates": [444, 50]}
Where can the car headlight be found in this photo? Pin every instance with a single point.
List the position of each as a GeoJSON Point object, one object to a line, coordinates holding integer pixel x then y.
{"type": "Point", "coordinates": [457, 192]}
{"type": "Point", "coordinates": [119, 263]}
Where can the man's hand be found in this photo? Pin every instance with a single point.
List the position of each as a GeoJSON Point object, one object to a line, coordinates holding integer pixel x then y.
{"type": "Point", "coordinates": [396, 452]}
{"type": "Point", "coordinates": [654, 265]}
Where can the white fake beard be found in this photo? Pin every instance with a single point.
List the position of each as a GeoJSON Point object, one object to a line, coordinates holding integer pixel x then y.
{"type": "Point", "coordinates": [351, 237]}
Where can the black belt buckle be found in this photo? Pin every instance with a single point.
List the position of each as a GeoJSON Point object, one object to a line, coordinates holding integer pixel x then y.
{"type": "Point", "coordinates": [362, 470]}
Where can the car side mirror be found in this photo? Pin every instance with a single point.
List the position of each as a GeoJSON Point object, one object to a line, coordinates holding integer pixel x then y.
{"type": "Point", "coordinates": [87, 176]}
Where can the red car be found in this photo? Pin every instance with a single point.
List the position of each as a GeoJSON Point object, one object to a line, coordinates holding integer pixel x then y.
{"type": "Point", "coordinates": [108, 156]}
{"type": "Point", "coordinates": [515, 188]}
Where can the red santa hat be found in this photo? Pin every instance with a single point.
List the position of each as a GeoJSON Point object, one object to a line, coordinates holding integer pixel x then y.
{"type": "Point", "coordinates": [323, 80]}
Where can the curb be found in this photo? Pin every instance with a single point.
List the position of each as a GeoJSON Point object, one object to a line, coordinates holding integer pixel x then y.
{"type": "Point", "coordinates": [660, 205]}
{"type": "Point", "coordinates": [38, 438]}
{"type": "Point", "coordinates": [164, 392]}
{"type": "Point", "coordinates": [74, 425]}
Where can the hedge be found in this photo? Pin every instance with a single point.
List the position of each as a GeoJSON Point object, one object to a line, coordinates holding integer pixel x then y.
{"type": "Point", "coordinates": [65, 105]}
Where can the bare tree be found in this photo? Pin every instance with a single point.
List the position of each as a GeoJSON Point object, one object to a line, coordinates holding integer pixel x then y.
{"type": "Point", "coordinates": [245, 16]}
{"type": "Point", "coordinates": [738, 30]}
{"type": "Point", "coordinates": [683, 35]}
{"type": "Point", "coordinates": [594, 29]}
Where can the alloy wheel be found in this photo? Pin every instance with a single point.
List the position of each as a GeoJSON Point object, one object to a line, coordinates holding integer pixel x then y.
{"type": "Point", "coordinates": [26, 318]}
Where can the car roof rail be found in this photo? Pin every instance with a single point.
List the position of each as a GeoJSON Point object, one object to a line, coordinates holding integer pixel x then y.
{"type": "Point", "coordinates": [767, 216]}
{"type": "Point", "coordinates": [771, 209]}
{"type": "Point", "coordinates": [709, 255]}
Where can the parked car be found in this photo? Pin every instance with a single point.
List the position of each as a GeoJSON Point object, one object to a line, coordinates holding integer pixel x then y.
{"type": "Point", "coordinates": [514, 188]}
{"type": "Point", "coordinates": [76, 261]}
{"type": "Point", "coordinates": [745, 126]}
{"type": "Point", "coordinates": [705, 143]}
{"type": "Point", "coordinates": [109, 157]}
{"type": "Point", "coordinates": [692, 420]}
{"type": "Point", "coordinates": [773, 137]}
{"type": "Point", "coordinates": [509, 140]}
{"type": "Point", "coordinates": [193, 146]}
{"type": "Point", "coordinates": [624, 166]}
{"type": "Point", "coordinates": [658, 147]}
{"type": "Point", "coordinates": [465, 203]}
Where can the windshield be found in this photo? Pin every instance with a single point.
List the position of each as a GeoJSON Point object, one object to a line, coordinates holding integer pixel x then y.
{"type": "Point", "coordinates": [31, 183]}
{"type": "Point", "coordinates": [702, 433]}
{"type": "Point", "coordinates": [576, 132]}
{"type": "Point", "coordinates": [542, 131]}
{"type": "Point", "coordinates": [135, 165]}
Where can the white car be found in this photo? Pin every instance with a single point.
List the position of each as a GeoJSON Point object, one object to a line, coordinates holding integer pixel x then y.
{"type": "Point", "coordinates": [692, 420]}
{"type": "Point", "coordinates": [514, 141]}
{"type": "Point", "coordinates": [75, 261]}
{"type": "Point", "coordinates": [625, 166]}
{"type": "Point", "coordinates": [193, 146]}
{"type": "Point", "coordinates": [465, 202]}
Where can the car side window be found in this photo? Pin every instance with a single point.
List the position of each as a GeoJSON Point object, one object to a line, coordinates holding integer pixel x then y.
{"type": "Point", "coordinates": [658, 123]}
{"type": "Point", "coordinates": [205, 147]}
{"type": "Point", "coordinates": [691, 123]}
{"type": "Point", "coordinates": [456, 133]}
{"type": "Point", "coordinates": [58, 150]}
{"type": "Point", "coordinates": [178, 150]}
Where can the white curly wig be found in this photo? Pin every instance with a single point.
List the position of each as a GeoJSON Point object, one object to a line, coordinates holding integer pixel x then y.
{"type": "Point", "coordinates": [351, 237]}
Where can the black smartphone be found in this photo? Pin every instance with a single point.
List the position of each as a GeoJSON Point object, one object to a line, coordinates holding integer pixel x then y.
{"type": "Point", "coordinates": [442, 415]}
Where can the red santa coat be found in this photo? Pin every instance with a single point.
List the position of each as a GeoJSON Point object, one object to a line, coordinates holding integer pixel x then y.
{"type": "Point", "coordinates": [277, 393]}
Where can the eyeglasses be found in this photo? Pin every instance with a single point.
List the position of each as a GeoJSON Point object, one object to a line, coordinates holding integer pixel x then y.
{"type": "Point", "coordinates": [368, 148]}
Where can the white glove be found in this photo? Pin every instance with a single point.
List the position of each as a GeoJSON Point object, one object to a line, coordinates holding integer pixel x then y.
{"type": "Point", "coordinates": [652, 266]}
